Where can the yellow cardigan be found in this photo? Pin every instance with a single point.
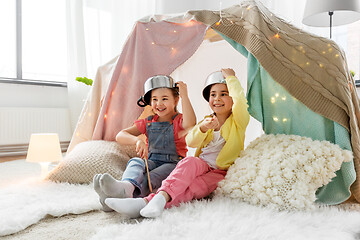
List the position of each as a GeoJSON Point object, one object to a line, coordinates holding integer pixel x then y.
{"type": "Point", "coordinates": [233, 130]}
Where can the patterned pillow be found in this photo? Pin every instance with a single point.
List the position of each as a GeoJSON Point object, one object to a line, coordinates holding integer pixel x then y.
{"type": "Point", "coordinates": [283, 171]}
{"type": "Point", "coordinates": [92, 157]}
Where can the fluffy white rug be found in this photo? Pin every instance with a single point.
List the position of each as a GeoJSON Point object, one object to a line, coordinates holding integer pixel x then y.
{"type": "Point", "coordinates": [221, 218]}
{"type": "Point", "coordinates": [24, 204]}
{"type": "Point", "coordinates": [28, 202]}
{"type": "Point", "coordinates": [224, 218]}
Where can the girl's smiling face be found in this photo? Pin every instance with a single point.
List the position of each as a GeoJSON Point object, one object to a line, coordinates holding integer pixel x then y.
{"type": "Point", "coordinates": [220, 101]}
{"type": "Point", "coordinates": [163, 102]}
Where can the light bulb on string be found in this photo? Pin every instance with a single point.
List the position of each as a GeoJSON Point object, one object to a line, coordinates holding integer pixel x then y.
{"type": "Point", "coordinates": [125, 69]}
{"type": "Point", "coordinates": [277, 32]}
{"type": "Point", "coordinates": [218, 22]}
{"type": "Point", "coordinates": [221, 18]}
{"type": "Point", "coordinates": [173, 51]}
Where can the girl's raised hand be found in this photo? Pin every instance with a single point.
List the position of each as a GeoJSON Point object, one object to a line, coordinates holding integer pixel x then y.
{"type": "Point", "coordinates": [227, 72]}
{"type": "Point", "coordinates": [182, 89]}
{"type": "Point", "coordinates": [141, 149]}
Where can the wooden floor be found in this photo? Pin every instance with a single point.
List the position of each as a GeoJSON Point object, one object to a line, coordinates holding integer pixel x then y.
{"type": "Point", "coordinates": [7, 159]}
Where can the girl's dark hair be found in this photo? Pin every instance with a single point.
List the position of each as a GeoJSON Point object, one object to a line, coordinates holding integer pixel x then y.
{"type": "Point", "coordinates": [175, 91]}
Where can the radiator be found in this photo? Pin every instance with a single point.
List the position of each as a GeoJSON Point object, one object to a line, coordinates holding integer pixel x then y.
{"type": "Point", "coordinates": [17, 125]}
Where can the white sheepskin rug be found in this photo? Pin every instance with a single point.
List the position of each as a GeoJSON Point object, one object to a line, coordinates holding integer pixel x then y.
{"type": "Point", "coordinates": [220, 218]}
{"type": "Point", "coordinates": [22, 205]}
{"type": "Point", "coordinates": [283, 171]}
{"type": "Point", "coordinates": [230, 219]}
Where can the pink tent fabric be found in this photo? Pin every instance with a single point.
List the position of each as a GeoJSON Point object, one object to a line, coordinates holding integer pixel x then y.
{"type": "Point", "coordinates": [152, 48]}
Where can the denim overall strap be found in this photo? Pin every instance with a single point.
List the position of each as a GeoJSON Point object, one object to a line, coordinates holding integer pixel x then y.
{"type": "Point", "coordinates": [161, 138]}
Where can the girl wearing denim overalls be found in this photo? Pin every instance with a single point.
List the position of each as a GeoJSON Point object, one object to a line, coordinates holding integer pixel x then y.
{"type": "Point", "coordinates": [166, 146]}
{"type": "Point", "coordinates": [219, 139]}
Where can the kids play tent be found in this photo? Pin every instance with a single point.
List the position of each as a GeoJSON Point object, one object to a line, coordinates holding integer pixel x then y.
{"type": "Point", "coordinates": [297, 83]}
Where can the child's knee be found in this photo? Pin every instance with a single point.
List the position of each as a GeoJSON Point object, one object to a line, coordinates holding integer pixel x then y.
{"type": "Point", "coordinates": [199, 188]}
{"type": "Point", "coordinates": [136, 162]}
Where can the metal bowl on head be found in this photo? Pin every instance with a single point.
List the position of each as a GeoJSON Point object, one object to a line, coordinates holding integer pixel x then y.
{"type": "Point", "coordinates": [213, 78]}
{"type": "Point", "coordinates": [158, 81]}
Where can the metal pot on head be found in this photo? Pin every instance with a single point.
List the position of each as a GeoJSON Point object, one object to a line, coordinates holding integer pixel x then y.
{"type": "Point", "coordinates": [158, 81]}
{"type": "Point", "coordinates": [213, 78]}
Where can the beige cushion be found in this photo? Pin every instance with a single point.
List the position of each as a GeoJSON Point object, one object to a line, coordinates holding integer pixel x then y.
{"type": "Point", "coordinates": [283, 171]}
{"type": "Point", "coordinates": [90, 158]}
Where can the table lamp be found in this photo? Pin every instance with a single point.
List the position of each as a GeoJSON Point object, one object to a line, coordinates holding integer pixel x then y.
{"type": "Point", "coordinates": [328, 13]}
{"type": "Point", "coordinates": [43, 149]}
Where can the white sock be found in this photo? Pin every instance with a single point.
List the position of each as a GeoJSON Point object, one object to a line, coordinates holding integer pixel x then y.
{"type": "Point", "coordinates": [114, 188]}
{"type": "Point", "coordinates": [101, 194]}
{"type": "Point", "coordinates": [128, 206]}
{"type": "Point", "coordinates": [155, 207]}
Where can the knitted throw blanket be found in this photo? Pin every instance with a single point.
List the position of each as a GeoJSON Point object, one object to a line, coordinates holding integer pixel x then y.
{"type": "Point", "coordinates": [311, 68]}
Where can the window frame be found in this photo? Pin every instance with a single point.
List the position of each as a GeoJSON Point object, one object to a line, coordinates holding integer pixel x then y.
{"type": "Point", "coordinates": [19, 79]}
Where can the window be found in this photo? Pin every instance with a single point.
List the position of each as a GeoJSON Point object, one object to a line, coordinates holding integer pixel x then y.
{"type": "Point", "coordinates": [8, 41]}
{"type": "Point", "coordinates": [348, 37]}
{"type": "Point", "coordinates": [35, 49]}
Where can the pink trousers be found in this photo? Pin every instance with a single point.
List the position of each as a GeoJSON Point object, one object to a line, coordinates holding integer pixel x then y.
{"type": "Point", "coordinates": [191, 179]}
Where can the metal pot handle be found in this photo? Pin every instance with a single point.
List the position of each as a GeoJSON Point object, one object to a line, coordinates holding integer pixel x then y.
{"type": "Point", "coordinates": [141, 102]}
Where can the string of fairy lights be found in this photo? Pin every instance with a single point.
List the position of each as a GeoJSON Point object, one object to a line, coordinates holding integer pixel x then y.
{"type": "Point", "coordinates": [278, 33]}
